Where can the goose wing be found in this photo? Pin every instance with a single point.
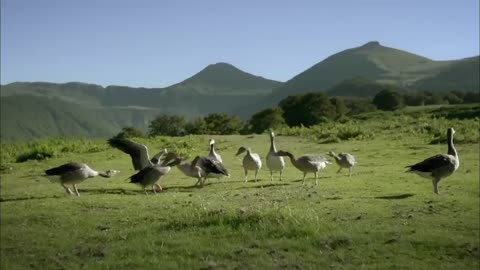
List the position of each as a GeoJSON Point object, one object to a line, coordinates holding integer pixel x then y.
{"type": "Point", "coordinates": [65, 168]}
{"type": "Point", "coordinates": [313, 159]}
{"type": "Point", "coordinates": [431, 164]}
{"type": "Point", "coordinates": [149, 175]}
{"type": "Point", "coordinates": [350, 159]}
{"type": "Point", "coordinates": [138, 152]}
{"type": "Point", "coordinates": [210, 165]}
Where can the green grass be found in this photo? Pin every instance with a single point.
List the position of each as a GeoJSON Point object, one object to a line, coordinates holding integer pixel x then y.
{"type": "Point", "coordinates": [380, 218]}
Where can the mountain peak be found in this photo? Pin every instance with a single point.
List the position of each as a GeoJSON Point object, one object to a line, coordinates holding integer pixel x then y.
{"type": "Point", "coordinates": [220, 66]}
{"type": "Point", "coordinates": [224, 78]}
{"type": "Point", "coordinates": [371, 44]}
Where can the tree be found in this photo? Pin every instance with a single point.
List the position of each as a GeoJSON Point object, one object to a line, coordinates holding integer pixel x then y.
{"type": "Point", "coordinates": [307, 109]}
{"type": "Point", "coordinates": [415, 99]}
{"type": "Point", "coordinates": [471, 97]}
{"type": "Point", "coordinates": [196, 126]}
{"type": "Point", "coordinates": [130, 132]}
{"type": "Point", "coordinates": [223, 124]}
{"type": "Point", "coordinates": [268, 118]}
{"type": "Point", "coordinates": [169, 125]}
{"type": "Point", "coordinates": [388, 100]}
{"type": "Point", "coordinates": [340, 107]}
{"type": "Point", "coordinates": [451, 98]}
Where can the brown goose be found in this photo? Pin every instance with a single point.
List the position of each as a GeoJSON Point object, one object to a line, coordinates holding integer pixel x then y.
{"type": "Point", "coordinates": [149, 176]}
{"type": "Point", "coordinates": [439, 166]}
{"type": "Point", "coordinates": [138, 153]}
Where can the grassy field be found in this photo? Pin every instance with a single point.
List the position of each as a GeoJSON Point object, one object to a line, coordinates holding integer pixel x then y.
{"type": "Point", "coordinates": [380, 218]}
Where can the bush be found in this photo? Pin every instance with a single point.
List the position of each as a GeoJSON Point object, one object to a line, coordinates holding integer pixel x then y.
{"type": "Point", "coordinates": [130, 132]}
{"type": "Point", "coordinates": [196, 126]}
{"type": "Point", "coordinates": [388, 100]}
{"type": "Point", "coordinates": [223, 124]}
{"type": "Point", "coordinates": [169, 125]}
{"type": "Point", "coordinates": [267, 119]}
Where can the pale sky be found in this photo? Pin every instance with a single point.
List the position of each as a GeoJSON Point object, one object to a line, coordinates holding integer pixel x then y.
{"type": "Point", "coordinates": [158, 43]}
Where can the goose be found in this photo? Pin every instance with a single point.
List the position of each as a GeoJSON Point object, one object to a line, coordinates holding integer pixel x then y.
{"type": "Point", "coordinates": [212, 154]}
{"type": "Point", "coordinates": [307, 163]}
{"type": "Point", "coordinates": [275, 163]}
{"type": "Point", "coordinates": [138, 153]}
{"type": "Point", "coordinates": [149, 176]}
{"type": "Point", "coordinates": [251, 161]}
{"type": "Point", "coordinates": [439, 166]}
{"type": "Point", "coordinates": [344, 160]}
{"type": "Point", "coordinates": [73, 173]}
{"type": "Point", "coordinates": [203, 167]}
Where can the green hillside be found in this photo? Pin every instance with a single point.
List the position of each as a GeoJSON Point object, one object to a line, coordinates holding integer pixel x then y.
{"type": "Point", "coordinates": [26, 117]}
{"type": "Point", "coordinates": [225, 79]}
{"type": "Point", "coordinates": [221, 87]}
{"type": "Point", "coordinates": [357, 87]}
{"type": "Point", "coordinates": [372, 61]}
{"type": "Point", "coordinates": [461, 76]}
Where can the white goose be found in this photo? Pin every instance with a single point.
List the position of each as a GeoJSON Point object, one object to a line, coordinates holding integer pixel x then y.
{"type": "Point", "coordinates": [439, 166]}
{"type": "Point", "coordinates": [212, 153]}
{"type": "Point", "coordinates": [73, 173]}
{"type": "Point", "coordinates": [307, 163]}
{"type": "Point", "coordinates": [344, 160]}
{"type": "Point", "coordinates": [275, 163]}
{"type": "Point", "coordinates": [251, 161]}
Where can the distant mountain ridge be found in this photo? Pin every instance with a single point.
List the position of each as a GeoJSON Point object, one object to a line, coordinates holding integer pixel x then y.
{"type": "Point", "coordinates": [224, 78]}
{"type": "Point", "coordinates": [371, 60]}
{"type": "Point", "coordinates": [221, 87]}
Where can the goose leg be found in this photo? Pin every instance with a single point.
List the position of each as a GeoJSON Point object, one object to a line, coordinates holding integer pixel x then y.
{"type": "Point", "coordinates": [316, 178]}
{"type": "Point", "coordinates": [281, 171]}
{"type": "Point", "coordinates": [271, 175]}
{"type": "Point", "coordinates": [76, 190]}
{"type": "Point", "coordinates": [68, 190]}
{"type": "Point", "coordinates": [246, 173]}
{"type": "Point", "coordinates": [145, 190]}
{"type": "Point", "coordinates": [159, 187]}
{"type": "Point", "coordinates": [435, 185]}
{"type": "Point", "coordinates": [256, 172]}
{"type": "Point", "coordinates": [153, 189]}
{"type": "Point", "coordinates": [339, 169]}
{"type": "Point", "coordinates": [303, 180]}
{"type": "Point", "coordinates": [350, 172]}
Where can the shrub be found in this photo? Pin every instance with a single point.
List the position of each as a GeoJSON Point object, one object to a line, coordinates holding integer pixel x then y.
{"type": "Point", "coordinates": [169, 125]}
{"type": "Point", "coordinates": [266, 119]}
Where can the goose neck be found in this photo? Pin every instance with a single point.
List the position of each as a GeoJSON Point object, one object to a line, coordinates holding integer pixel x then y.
{"type": "Point", "coordinates": [451, 148]}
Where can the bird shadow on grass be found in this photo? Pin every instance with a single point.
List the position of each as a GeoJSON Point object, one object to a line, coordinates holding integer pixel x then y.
{"type": "Point", "coordinates": [395, 197]}
{"type": "Point", "coordinates": [115, 191]}
{"type": "Point", "coordinates": [265, 186]}
{"type": "Point", "coordinates": [31, 198]}
{"type": "Point", "coordinates": [313, 179]}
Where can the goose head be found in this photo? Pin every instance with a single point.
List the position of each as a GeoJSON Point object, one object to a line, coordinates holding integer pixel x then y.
{"type": "Point", "coordinates": [241, 150]}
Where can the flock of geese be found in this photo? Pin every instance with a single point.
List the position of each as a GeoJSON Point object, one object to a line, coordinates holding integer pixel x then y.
{"type": "Point", "coordinates": [151, 170]}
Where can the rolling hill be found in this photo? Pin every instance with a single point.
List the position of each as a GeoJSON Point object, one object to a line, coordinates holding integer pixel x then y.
{"type": "Point", "coordinates": [95, 111]}
{"type": "Point", "coordinates": [26, 117]}
{"type": "Point", "coordinates": [371, 61]}
{"type": "Point", "coordinates": [225, 79]}
{"type": "Point", "coordinates": [461, 76]}
{"type": "Point", "coordinates": [87, 110]}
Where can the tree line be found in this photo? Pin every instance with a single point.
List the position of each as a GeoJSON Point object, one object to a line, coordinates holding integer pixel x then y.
{"type": "Point", "coordinates": [300, 110]}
